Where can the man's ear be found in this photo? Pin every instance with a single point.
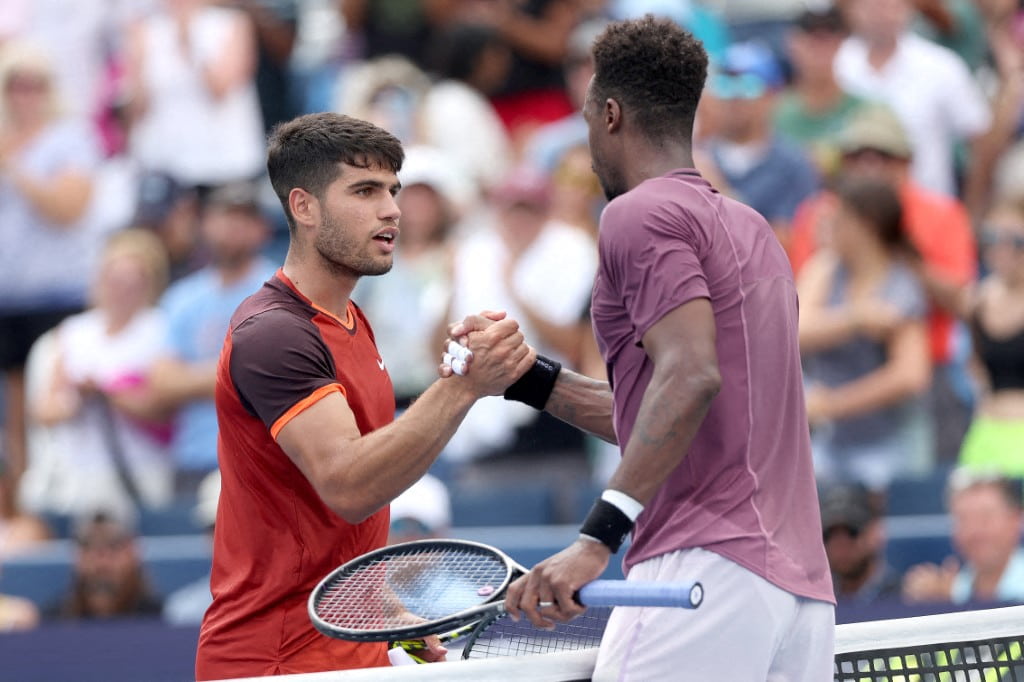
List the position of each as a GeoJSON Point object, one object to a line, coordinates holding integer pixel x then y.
{"type": "Point", "coordinates": [612, 115]}
{"type": "Point", "coordinates": [305, 207]}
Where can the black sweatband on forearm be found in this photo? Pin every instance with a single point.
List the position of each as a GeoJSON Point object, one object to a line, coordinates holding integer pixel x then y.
{"type": "Point", "coordinates": [607, 524]}
{"type": "Point", "coordinates": [534, 388]}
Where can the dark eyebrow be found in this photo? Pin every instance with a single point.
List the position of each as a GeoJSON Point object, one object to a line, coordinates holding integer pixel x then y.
{"type": "Point", "coordinates": [374, 184]}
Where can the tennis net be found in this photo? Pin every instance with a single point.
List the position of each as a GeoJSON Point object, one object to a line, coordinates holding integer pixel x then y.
{"type": "Point", "coordinates": [973, 646]}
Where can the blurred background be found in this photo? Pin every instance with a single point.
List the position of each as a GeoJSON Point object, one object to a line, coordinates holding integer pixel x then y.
{"type": "Point", "coordinates": [880, 138]}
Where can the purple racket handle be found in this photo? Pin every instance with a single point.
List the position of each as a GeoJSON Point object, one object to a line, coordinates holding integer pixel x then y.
{"type": "Point", "coordinates": [687, 595]}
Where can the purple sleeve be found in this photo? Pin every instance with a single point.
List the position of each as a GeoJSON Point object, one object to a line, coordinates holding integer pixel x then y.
{"type": "Point", "coordinates": [278, 359]}
{"type": "Point", "coordinates": [653, 260]}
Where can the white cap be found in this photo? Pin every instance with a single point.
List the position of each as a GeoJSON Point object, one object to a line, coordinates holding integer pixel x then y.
{"type": "Point", "coordinates": [427, 501]}
{"type": "Point", "coordinates": [425, 165]}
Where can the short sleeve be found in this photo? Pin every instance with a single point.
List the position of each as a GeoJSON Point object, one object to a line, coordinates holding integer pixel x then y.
{"type": "Point", "coordinates": [280, 365]}
{"type": "Point", "coordinates": [652, 260]}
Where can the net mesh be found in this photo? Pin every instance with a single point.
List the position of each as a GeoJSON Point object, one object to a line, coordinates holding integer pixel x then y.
{"type": "Point", "coordinates": [425, 583]}
{"type": "Point", "coordinates": [506, 637]}
{"type": "Point", "coordinates": [975, 646]}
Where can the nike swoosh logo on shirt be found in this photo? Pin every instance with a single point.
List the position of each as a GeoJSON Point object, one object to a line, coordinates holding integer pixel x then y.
{"type": "Point", "coordinates": [380, 362]}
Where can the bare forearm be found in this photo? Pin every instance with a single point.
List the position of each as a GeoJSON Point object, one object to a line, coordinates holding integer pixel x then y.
{"type": "Point", "coordinates": [62, 201]}
{"type": "Point", "coordinates": [385, 462]}
{"type": "Point", "coordinates": [875, 391]}
{"type": "Point", "coordinates": [673, 408]}
{"type": "Point", "coordinates": [584, 403]}
{"type": "Point", "coordinates": [825, 329]}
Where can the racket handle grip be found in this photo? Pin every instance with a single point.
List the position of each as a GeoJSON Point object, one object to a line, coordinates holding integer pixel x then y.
{"type": "Point", "coordinates": [687, 595]}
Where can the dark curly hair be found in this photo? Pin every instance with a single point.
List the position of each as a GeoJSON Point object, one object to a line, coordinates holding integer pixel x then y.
{"type": "Point", "coordinates": [655, 70]}
{"type": "Point", "coordinates": [305, 152]}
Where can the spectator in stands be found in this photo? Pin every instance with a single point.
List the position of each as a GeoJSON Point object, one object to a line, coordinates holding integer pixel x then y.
{"type": "Point", "coordinates": [538, 34]}
{"type": "Point", "coordinates": [994, 310]}
{"type": "Point", "coordinates": [551, 140]}
{"type": "Point", "coordinates": [187, 604]}
{"type": "Point", "coordinates": [514, 260]}
{"type": "Point", "coordinates": [927, 86]}
{"type": "Point", "coordinates": [408, 306]}
{"type": "Point", "coordinates": [423, 511]}
{"type": "Point", "coordinates": [47, 162]}
{"type": "Point", "coordinates": [193, 105]}
{"type": "Point", "coordinates": [394, 27]}
{"type": "Point", "coordinates": [275, 29]}
{"type": "Point", "coordinates": [388, 91]}
{"type": "Point", "coordinates": [864, 343]}
{"type": "Point", "coordinates": [171, 211]}
{"type": "Point", "coordinates": [875, 145]}
{"type": "Point", "coordinates": [470, 63]}
{"type": "Point", "coordinates": [766, 172]}
{"type": "Point", "coordinates": [198, 308]}
{"type": "Point", "coordinates": [987, 524]}
{"type": "Point", "coordinates": [853, 526]}
{"type": "Point", "coordinates": [814, 109]}
{"type": "Point", "coordinates": [100, 454]}
{"type": "Point", "coordinates": [108, 579]}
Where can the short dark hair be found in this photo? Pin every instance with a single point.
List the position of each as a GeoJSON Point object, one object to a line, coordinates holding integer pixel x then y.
{"type": "Point", "coordinates": [655, 69]}
{"type": "Point", "coordinates": [305, 152]}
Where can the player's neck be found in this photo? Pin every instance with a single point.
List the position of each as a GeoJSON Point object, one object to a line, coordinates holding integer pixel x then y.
{"type": "Point", "coordinates": [655, 162]}
{"type": "Point", "coordinates": [324, 288]}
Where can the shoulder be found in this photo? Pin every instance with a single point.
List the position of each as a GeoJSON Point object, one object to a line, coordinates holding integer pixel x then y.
{"type": "Point", "coordinates": [929, 54]}
{"type": "Point", "coordinates": [191, 287]}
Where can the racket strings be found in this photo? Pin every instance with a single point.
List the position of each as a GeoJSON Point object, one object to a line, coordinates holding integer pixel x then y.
{"type": "Point", "coordinates": [404, 589]}
{"type": "Point", "coordinates": [506, 637]}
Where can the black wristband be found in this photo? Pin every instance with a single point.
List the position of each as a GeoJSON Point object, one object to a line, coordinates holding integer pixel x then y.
{"type": "Point", "coordinates": [607, 524]}
{"type": "Point", "coordinates": [534, 388]}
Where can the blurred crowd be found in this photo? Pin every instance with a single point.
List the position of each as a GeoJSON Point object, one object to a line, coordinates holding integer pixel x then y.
{"type": "Point", "coordinates": [882, 139]}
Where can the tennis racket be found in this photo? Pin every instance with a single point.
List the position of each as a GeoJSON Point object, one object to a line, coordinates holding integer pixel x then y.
{"type": "Point", "coordinates": [427, 587]}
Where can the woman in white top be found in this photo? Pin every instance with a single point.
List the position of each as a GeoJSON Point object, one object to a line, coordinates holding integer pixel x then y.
{"type": "Point", "coordinates": [98, 454]}
{"type": "Point", "coordinates": [194, 107]}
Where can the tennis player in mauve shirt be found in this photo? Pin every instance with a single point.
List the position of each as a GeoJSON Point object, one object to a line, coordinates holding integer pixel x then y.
{"type": "Point", "coordinates": [695, 313]}
{"type": "Point", "coordinates": [309, 453]}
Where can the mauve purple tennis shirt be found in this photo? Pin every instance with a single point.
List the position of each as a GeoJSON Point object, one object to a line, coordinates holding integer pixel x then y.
{"type": "Point", "coordinates": [746, 488]}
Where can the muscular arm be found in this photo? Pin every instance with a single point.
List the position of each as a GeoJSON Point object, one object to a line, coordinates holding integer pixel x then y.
{"type": "Point", "coordinates": [686, 379]}
{"type": "Point", "coordinates": [357, 474]}
{"type": "Point", "coordinates": [584, 403]}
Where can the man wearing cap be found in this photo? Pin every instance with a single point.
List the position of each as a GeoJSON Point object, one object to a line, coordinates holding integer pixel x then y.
{"type": "Point", "coordinates": [198, 309]}
{"type": "Point", "coordinates": [815, 108]}
{"type": "Point", "coordinates": [855, 544]}
{"type": "Point", "coordinates": [927, 86]}
{"type": "Point", "coordinates": [876, 144]}
{"type": "Point", "coordinates": [769, 174]}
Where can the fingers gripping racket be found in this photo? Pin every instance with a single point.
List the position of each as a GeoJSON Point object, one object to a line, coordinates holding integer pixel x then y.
{"type": "Point", "coordinates": [426, 587]}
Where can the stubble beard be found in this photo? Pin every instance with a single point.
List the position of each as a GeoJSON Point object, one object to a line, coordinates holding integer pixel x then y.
{"type": "Point", "coordinates": [343, 256]}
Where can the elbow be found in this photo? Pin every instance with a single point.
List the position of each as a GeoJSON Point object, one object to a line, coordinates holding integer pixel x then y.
{"type": "Point", "coordinates": [706, 384]}
{"type": "Point", "coordinates": [353, 503]}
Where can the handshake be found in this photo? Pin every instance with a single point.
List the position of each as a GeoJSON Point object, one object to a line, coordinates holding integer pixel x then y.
{"type": "Point", "coordinates": [533, 377]}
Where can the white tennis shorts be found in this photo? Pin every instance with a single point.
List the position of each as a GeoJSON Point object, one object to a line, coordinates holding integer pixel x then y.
{"type": "Point", "coordinates": [747, 629]}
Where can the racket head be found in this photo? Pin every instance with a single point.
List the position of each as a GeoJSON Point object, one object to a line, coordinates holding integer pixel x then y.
{"type": "Point", "coordinates": [500, 636]}
{"type": "Point", "coordinates": [411, 590]}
